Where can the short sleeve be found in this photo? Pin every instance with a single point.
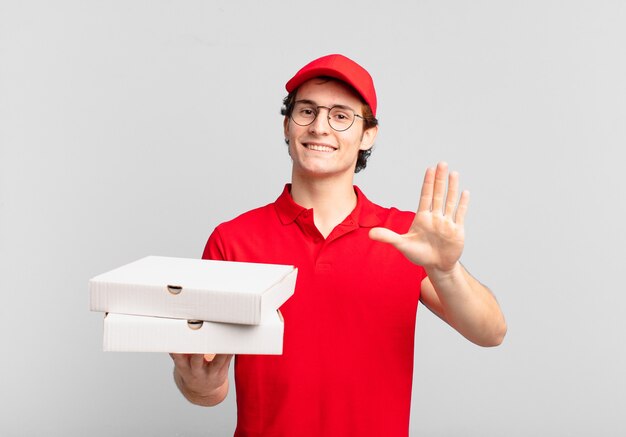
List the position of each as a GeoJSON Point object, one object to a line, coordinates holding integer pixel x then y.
{"type": "Point", "coordinates": [214, 248]}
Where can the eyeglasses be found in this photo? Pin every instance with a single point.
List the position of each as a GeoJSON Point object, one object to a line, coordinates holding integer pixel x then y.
{"type": "Point", "coordinates": [340, 118]}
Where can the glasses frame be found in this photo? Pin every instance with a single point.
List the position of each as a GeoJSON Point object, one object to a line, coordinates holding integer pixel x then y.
{"type": "Point", "coordinates": [317, 109]}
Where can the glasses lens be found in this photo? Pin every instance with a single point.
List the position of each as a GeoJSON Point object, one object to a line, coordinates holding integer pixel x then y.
{"type": "Point", "coordinates": [340, 118]}
{"type": "Point", "coordinates": [303, 114]}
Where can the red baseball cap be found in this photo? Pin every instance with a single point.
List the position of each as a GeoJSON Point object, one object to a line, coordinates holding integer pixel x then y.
{"type": "Point", "coordinates": [338, 67]}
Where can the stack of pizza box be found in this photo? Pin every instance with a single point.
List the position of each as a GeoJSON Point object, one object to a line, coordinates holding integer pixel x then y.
{"type": "Point", "coordinates": [180, 305]}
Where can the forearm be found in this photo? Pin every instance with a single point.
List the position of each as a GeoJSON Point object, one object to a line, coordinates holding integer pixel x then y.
{"type": "Point", "coordinates": [467, 305]}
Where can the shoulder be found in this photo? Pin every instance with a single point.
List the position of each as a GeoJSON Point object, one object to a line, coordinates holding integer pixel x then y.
{"type": "Point", "coordinates": [397, 220]}
{"type": "Point", "coordinates": [394, 214]}
{"type": "Point", "coordinates": [228, 237]}
{"type": "Point", "coordinates": [373, 214]}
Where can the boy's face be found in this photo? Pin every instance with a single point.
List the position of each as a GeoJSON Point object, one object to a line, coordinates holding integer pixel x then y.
{"type": "Point", "coordinates": [317, 150]}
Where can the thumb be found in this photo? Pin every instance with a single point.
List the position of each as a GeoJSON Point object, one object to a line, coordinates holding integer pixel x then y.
{"type": "Point", "coordinates": [385, 235]}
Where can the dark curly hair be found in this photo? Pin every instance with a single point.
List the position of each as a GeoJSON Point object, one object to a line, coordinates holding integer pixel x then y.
{"type": "Point", "coordinates": [369, 121]}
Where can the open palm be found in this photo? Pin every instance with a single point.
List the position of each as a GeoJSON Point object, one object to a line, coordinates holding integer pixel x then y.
{"type": "Point", "coordinates": [436, 237]}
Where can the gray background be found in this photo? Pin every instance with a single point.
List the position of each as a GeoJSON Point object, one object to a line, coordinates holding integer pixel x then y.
{"type": "Point", "coordinates": [130, 128]}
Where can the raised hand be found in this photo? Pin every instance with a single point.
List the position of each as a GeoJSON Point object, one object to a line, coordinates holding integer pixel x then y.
{"type": "Point", "coordinates": [436, 237]}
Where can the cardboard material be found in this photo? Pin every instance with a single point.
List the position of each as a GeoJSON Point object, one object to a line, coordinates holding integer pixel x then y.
{"type": "Point", "coordinates": [127, 333]}
{"type": "Point", "coordinates": [221, 291]}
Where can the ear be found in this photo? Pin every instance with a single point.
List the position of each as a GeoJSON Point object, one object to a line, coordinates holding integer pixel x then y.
{"type": "Point", "coordinates": [368, 138]}
{"type": "Point", "coordinates": [286, 127]}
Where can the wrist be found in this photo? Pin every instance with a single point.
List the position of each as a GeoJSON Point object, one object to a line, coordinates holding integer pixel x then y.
{"type": "Point", "coordinates": [440, 275]}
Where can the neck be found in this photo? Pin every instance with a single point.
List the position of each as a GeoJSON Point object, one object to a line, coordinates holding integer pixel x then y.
{"type": "Point", "coordinates": [332, 199]}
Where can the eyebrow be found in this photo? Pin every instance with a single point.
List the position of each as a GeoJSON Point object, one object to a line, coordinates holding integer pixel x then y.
{"type": "Point", "coordinates": [311, 102]}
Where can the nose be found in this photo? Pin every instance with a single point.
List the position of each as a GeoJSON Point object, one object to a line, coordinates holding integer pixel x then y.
{"type": "Point", "coordinates": [320, 125]}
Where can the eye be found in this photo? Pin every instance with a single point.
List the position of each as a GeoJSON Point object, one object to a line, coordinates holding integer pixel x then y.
{"type": "Point", "coordinates": [340, 115]}
{"type": "Point", "coordinates": [306, 111]}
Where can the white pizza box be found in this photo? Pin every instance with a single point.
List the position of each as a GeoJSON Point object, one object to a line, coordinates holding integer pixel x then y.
{"type": "Point", "coordinates": [128, 333]}
{"type": "Point", "coordinates": [182, 288]}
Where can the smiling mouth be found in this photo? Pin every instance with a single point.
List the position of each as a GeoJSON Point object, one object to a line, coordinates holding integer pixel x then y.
{"type": "Point", "coordinates": [319, 147]}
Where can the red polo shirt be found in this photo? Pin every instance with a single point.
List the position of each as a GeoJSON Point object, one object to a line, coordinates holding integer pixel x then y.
{"type": "Point", "coordinates": [347, 362]}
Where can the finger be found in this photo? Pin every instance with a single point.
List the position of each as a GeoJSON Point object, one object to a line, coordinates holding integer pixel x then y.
{"type": "Point", "coordinates": [426, 196]}
{"type": "Point", "coordinates": [209, 357]}
{"type": "Point", "coordinates": [453, 192]}
{"type": "Point", "coordinates": [461, 210]}
{"type": "Point", "coordinates": [196, 361]}
{"type": "Point", "coordinates": [222, 361]}
{"type": "Point", "coordinates": [219, 362]}
{"type": "Point", "coordinates": [439, 188]}
{"type": "Point", "coordinates": [180, 360]}
{"type": "Point", "coordinates": [385, 235]}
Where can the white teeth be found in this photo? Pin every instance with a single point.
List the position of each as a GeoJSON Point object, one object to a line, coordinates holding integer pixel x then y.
{"type": "Point", "coordinates": [320, 148]}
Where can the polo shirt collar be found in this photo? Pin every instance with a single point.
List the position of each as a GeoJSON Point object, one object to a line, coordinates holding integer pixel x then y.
{"type": "Point", "coordinates": [365, 213]}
